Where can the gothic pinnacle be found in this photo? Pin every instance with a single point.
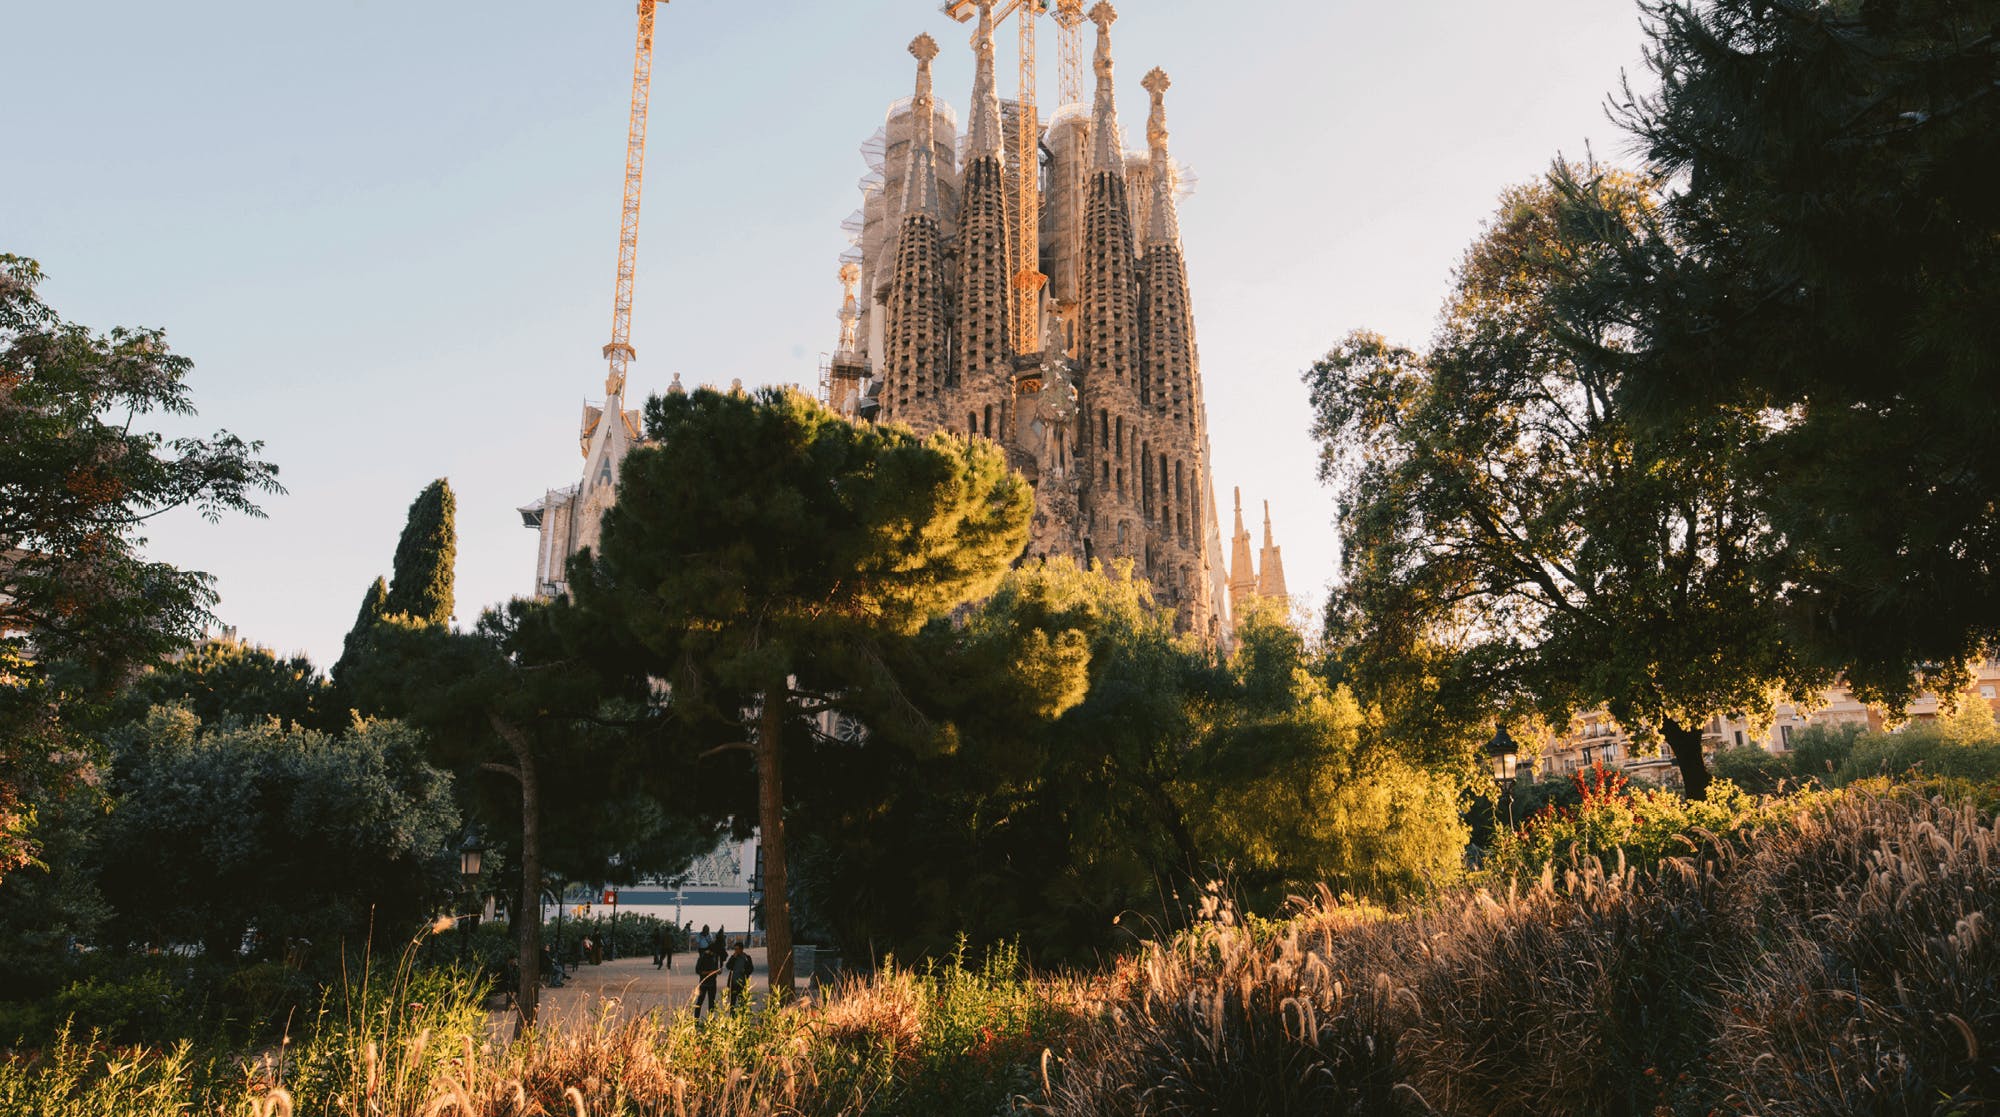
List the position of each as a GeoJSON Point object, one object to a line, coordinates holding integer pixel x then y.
{"type": "Point", "coordinates": [984, 137]}
{"type": "Point", "coordinates": [920, 193]}
{"type": "Point", "coordinates": [1163, 227]}
{"type": "Point", "coordinates": [1106, 155]}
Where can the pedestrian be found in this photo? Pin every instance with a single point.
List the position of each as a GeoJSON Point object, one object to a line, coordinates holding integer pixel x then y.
{"type": "Point", "coordinates": [706, 966]}
{"type": "Point", "coordinates": [668, 940]}
{"type": "Point", "coordinates": [740, 969]}
{"type": "Point", "coordinates": [702, 940]}
{"type": "Point", "coordinates": [659, 945]}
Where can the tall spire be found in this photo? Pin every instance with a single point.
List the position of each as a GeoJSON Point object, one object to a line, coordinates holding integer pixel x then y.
{"type": "Point", "coordinates": [1106, 155]}
{"type": "Point", "coordinates": [1271, 575]}
{"type": "Point", "coordinates": [985, 136]}
{"type": "Point", "coordinates": [920, 189]}
{"type": "Point", "coordinates": [1242, 575]}
{"type": "Point", "coordinates": [1163, 227]}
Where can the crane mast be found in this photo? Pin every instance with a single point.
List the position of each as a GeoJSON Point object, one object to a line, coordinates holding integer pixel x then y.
{"type": "Point", "coordinates": [619, 350]}
{"type": "Point", "coordinates": [1024, 309]}
{"type": "Point", "coordinates": [1028, 277]}
{"type": "Point", "coordinates": [1069, 51]}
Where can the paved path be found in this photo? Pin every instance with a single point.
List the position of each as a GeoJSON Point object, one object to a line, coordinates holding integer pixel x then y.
{"type": "Point", "coordinates": [637, 987]}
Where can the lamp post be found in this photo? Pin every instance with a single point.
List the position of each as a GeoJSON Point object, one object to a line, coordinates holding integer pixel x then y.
{"type": "Point", "coordinates": [470, 856]}
{"type": "Point", "coordinates": [1504, 758]}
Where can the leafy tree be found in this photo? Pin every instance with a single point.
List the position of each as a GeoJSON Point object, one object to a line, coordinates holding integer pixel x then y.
{"type": "Point", "coordinates": [553, 743]}
{"type": "Point", "coordinates": [762, 552]}
{"type": "Point", "coordinates": [290, 833]}
{"type": "Point", "coordinates": [1833, 261]}
{"type": "Point", "coordinates": [80, 474]}
{"type": "Point", "coordinates": [225, 680]}
{"type": "Point", "coordinates": [422, 585]}
{"type": "Point", "coordinates": [527, 699]}
{"type": "Point", "coordinates": [1514, 540]}
{"type": "Point", "coordinates": [1079, 831]}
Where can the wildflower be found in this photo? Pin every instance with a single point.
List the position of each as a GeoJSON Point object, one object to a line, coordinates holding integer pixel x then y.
{"type": "Point", "coordinates": [442, 924]}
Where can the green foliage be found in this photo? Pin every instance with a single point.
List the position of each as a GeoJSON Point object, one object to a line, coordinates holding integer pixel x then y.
{"type": "Point", "coordinates": [1964, 745]}
{"type": "Point", "coordinates": [1514, 543]}
{"type": "Point", "coordinates": [1075, 835]}
{"type": "Point", "coordinates": [89, 1077]}
{"type": "Point", "coordinates": [424, 572]}
{"type": "Point", "coordinates": [226, 681]}
{"type": "Point", "coordinates": [760, 536]}
{"type": "Point", "coordinates": [1616, 822]}
{"type": "Point", "coordinates": [387, 1036]}
{"type": "Point", "coordinates": [297, 835]}
{"type": "Point", "coordinates": [1819, 751]}
{"type": "Point", "coordinates": [374, 607]}
{"type": "Point", "coordinates": [1754, 769]}
{"type": "Point", "coordinates": [1832, 254]}
{"type": "Point", "coordinates": [767, 554]}
{"type": "Point", "coordinates": [144, 1005]}
{"type": "Point", "coordinates": [81, 471]}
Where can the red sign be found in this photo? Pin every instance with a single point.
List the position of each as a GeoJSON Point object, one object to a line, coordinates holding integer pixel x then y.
{"type": "Point", "coordinates": [611, 895]}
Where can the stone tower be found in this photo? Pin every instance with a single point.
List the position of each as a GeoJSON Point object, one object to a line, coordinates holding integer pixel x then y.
{"type": "Point", "coordinates": [1262, 580]}
{"type": "Point", "coordinates": [1103, 410]}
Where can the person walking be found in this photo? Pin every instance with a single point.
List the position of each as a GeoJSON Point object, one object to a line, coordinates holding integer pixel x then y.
{"type": "Point", "coordinates": [707, 965]}
{"type": "Point", "coordinates": [740, 969]}
{"type": "Point", "coordinates": [659, 945]}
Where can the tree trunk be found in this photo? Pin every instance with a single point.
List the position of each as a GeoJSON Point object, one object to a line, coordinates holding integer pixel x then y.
{"type": "Point", "coordinates": [528, 912]}
{"type": "Point", "coordinates": [1685, 745]}
{"type": "Point", "coordinates": [771, 827]}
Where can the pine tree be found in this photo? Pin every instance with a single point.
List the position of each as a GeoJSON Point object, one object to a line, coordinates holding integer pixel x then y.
{"type": "Point", "coordinates": [422, 584]}
{"type": "Point", "coordinates": [1832, 255]}
{"type": "Point", "coordinates": [763, 550]}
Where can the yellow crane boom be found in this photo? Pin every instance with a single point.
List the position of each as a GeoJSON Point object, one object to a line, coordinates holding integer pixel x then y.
{"type": "Point", "coordinates": [1025, 308]}
{"type": "Point", "coordinates": [619, 349]}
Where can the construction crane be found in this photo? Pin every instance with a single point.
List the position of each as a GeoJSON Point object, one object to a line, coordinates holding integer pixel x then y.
{"type": "Point", "coordinates": [1069, 55]}
{"type": "Point", "coordinates": [1025, 310]}
{"type": "Point", "coordinates": [619, 350]}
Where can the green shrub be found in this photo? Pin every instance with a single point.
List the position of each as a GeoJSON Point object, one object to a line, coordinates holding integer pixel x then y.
{"type": "Point", "coordinates": [1818, 751]}
{"type": "Point", "coordinates": [1924, 750]}
{"type": "Point", "coordinates": [144, 1005]}
{"type": "Point", "coordinates": [1754, 769]}
{"type": "Point", "coordinates": [1614, 821]}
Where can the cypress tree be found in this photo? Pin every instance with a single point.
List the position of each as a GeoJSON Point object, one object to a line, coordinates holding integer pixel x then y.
{"type": "Point", "coordinates": [421, 586]}
{"type": "Point", "coordinates": [374, 606]}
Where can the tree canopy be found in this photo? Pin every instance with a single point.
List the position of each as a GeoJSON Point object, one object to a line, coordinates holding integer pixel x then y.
{"type": "Point", "coordinates": [1076, 833]}
{"type": "Point", "coordinates": [764, 551]}
{"type": "Point", "coordinates": [424, 573]}
{"type": "Point", "coordinates": [1831, 261]}
{"type": "Point", "coordinates": [81, 473]}
{"type": "Point", "coordinates": [1514, 542]}
{"type": "Point", "coordinates": [288, 832]}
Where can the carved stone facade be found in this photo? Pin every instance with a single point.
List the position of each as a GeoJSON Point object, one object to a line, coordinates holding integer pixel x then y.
{"type": "Point", "coordinates": [1103, 412]}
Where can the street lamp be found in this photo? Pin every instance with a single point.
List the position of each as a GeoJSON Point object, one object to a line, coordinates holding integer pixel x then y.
{"type": "Point", "coordinates": [1504, 757]}
{"type": "Point", "coordinates": [470, 857]}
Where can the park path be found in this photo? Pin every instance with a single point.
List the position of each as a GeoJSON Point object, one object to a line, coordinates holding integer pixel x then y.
{"type": "Point", "coordinates": [631, 986]}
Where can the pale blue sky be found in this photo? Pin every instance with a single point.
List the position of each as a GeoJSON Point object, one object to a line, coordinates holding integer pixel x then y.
{"type": "Point", "coordinates": [385, 230]}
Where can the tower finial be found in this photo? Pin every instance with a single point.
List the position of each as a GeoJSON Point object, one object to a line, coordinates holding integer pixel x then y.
{"type": "Point", "coordinates": [1106, 155]}
{"type": "Point", "coordinates": [920, 193]}
{"type": "Point", "coordinates": [850, 307]}
{"type": "Point", "coordinates": [1163, 227]}
{"type": "Point", "coordinates": [1267, 525]}
{"type": "Point", "coordinates": [984, 137]}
